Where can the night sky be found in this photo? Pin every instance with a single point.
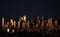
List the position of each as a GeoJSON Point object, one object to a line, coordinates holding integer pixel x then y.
{"type": "Point", "coordinates": [30, 8]}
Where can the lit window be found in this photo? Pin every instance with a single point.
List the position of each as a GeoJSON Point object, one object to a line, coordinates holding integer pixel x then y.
{"type": "Point", "coordinates": [8, 30]}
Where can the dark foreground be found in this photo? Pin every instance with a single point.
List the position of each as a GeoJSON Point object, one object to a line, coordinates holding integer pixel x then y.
{"type": "Point", "coordinates": [30, 34]}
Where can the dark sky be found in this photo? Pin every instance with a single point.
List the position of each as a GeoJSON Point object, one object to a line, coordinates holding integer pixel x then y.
{"type": "Point", "coordinates": [31, 8]}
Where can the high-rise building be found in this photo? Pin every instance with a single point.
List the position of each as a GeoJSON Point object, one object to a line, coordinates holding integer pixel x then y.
{"type": "Point", "coordinates": [18, 24]}
{"type": "Point", "coordinates": [28, 24]}
{"type": "Point", "coordinates": [38, 20]}
{"type": "Point", "coordinates": [50, 24]}
{"type": "Point", "coordinates": [2, 21]}
{"type": "Point", "coordinates": [14, 24]}
{"type": "Point", "coordinates": [21, 18]}
{"type": "Point", "coordinates": [56, 24]}
{"type": "Point", "coordinates": [32, 23]}
{"type": "Point", "coordinates": [42, 23]}
{"type": "Point", "coordinates": [11, 21]}
{"type": "Point", "coordinates": [24, 18]}
{"type": "Point", "coordinates": [23, 24]}
{"type": "Point", "coordinates": [46, 24]}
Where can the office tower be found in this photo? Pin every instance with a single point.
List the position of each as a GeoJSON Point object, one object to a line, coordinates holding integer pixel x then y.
{"type": "Point", "coordinates": [42, 23]}
{"type": "Point", "coordinates": [2, 21]}
{"type": "Point", "coordinates": [24, 18]}
{"type": "Point", "coordinates": [14, 24]}
{"type": "Point", "coordinates": [11, 21]}
{"type": "Point", "coordinates": [37, 26]}
{"type": "Point", "coordinates": [31, 25]}
{"type": "Point", "coordinates": [21, 18]}
{"type": "Point", "coordinates": [28, 24]}
{"type": "Point", "coordinates": [32, 21]}
{"type": "Point", "coordinates": [18, 24]}
{"type": "Point", "coordinates": [46, 24]}
{"type": "Point", "coordinates": [23, 24]}
{"type": "Point", "coordinates": [38, 21]}
{"type": "Point", "coordinates": [50, 24]}
{"type": "Point", "coordinates": [55, 24]}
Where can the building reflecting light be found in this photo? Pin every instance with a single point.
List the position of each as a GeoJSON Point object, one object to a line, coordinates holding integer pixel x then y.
{"type": "Point", "coordinates": [24, 18]}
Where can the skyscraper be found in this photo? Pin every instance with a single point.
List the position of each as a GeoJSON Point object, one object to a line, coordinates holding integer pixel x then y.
{"type": "Point", "coordinates": [56, 24]}
{"type": "Point", "coordinates": [24, 18]}
{"type": "Point", "coordinates": [18, 24]}
{"type": "Point", "coordinates": [21, 18]}
{"type": "Point", "coordinates": [23, 24]}
{"type": "Point", "coordinates": [2, 21]}
{"type": "Point", "coordinates": [42, 23]}
{"type": "Point", "coordinates": [28, 24]}
{"type": "Point", "coordinates": [11, 21]}
{"type": "Point", "coordinates": [14, 24]}
{"type": "Point", "coordinates": [50, 24]}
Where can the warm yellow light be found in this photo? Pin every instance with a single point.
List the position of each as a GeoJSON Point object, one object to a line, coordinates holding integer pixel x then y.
{"type": "Point", "coordinates": [18, 24]}
{"type": "Point", "coordinates": [13, 30]}
{"type": "Point", "coordinates": [3, 21]}
{"type": "Point", "coordinates": [20, 19]}
{"type": "Point", "coordinates": [28, 25]}
{"type": "Point", "coordinates": [11, 21]}
{"type": "Point", "coordinates": [24, 18]}
{"type": "Point", "coordinates": [23, 24]}
{"type": "Point", "coordinates": [8, 30]}
{"type": "Point", "coordinates": [14, 24]}
{"type": "Point", "coordinates": [7, 23]}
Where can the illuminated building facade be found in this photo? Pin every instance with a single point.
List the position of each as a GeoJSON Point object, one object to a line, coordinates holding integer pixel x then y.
{"type": "Point", "coordinates": [30, 25]}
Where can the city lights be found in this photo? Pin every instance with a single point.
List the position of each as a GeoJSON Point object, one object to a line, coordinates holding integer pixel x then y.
{"type": "Point", "coordinates": [30, 25]}
{"type": "Point", "coordinates": [11, 21]}
{"type": "Point", "coordinates": [18, 24]}
{"type": "Point", "coordinates": [8, 30]}
{"type": "Point", "coordinates": [13, 30]}
{"type": "Point", "coordinates": [2, 21]}
{"type": "Point", "coordinates": [14, 24]}
{"type": "Point", "coordinates": [24, 17]}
